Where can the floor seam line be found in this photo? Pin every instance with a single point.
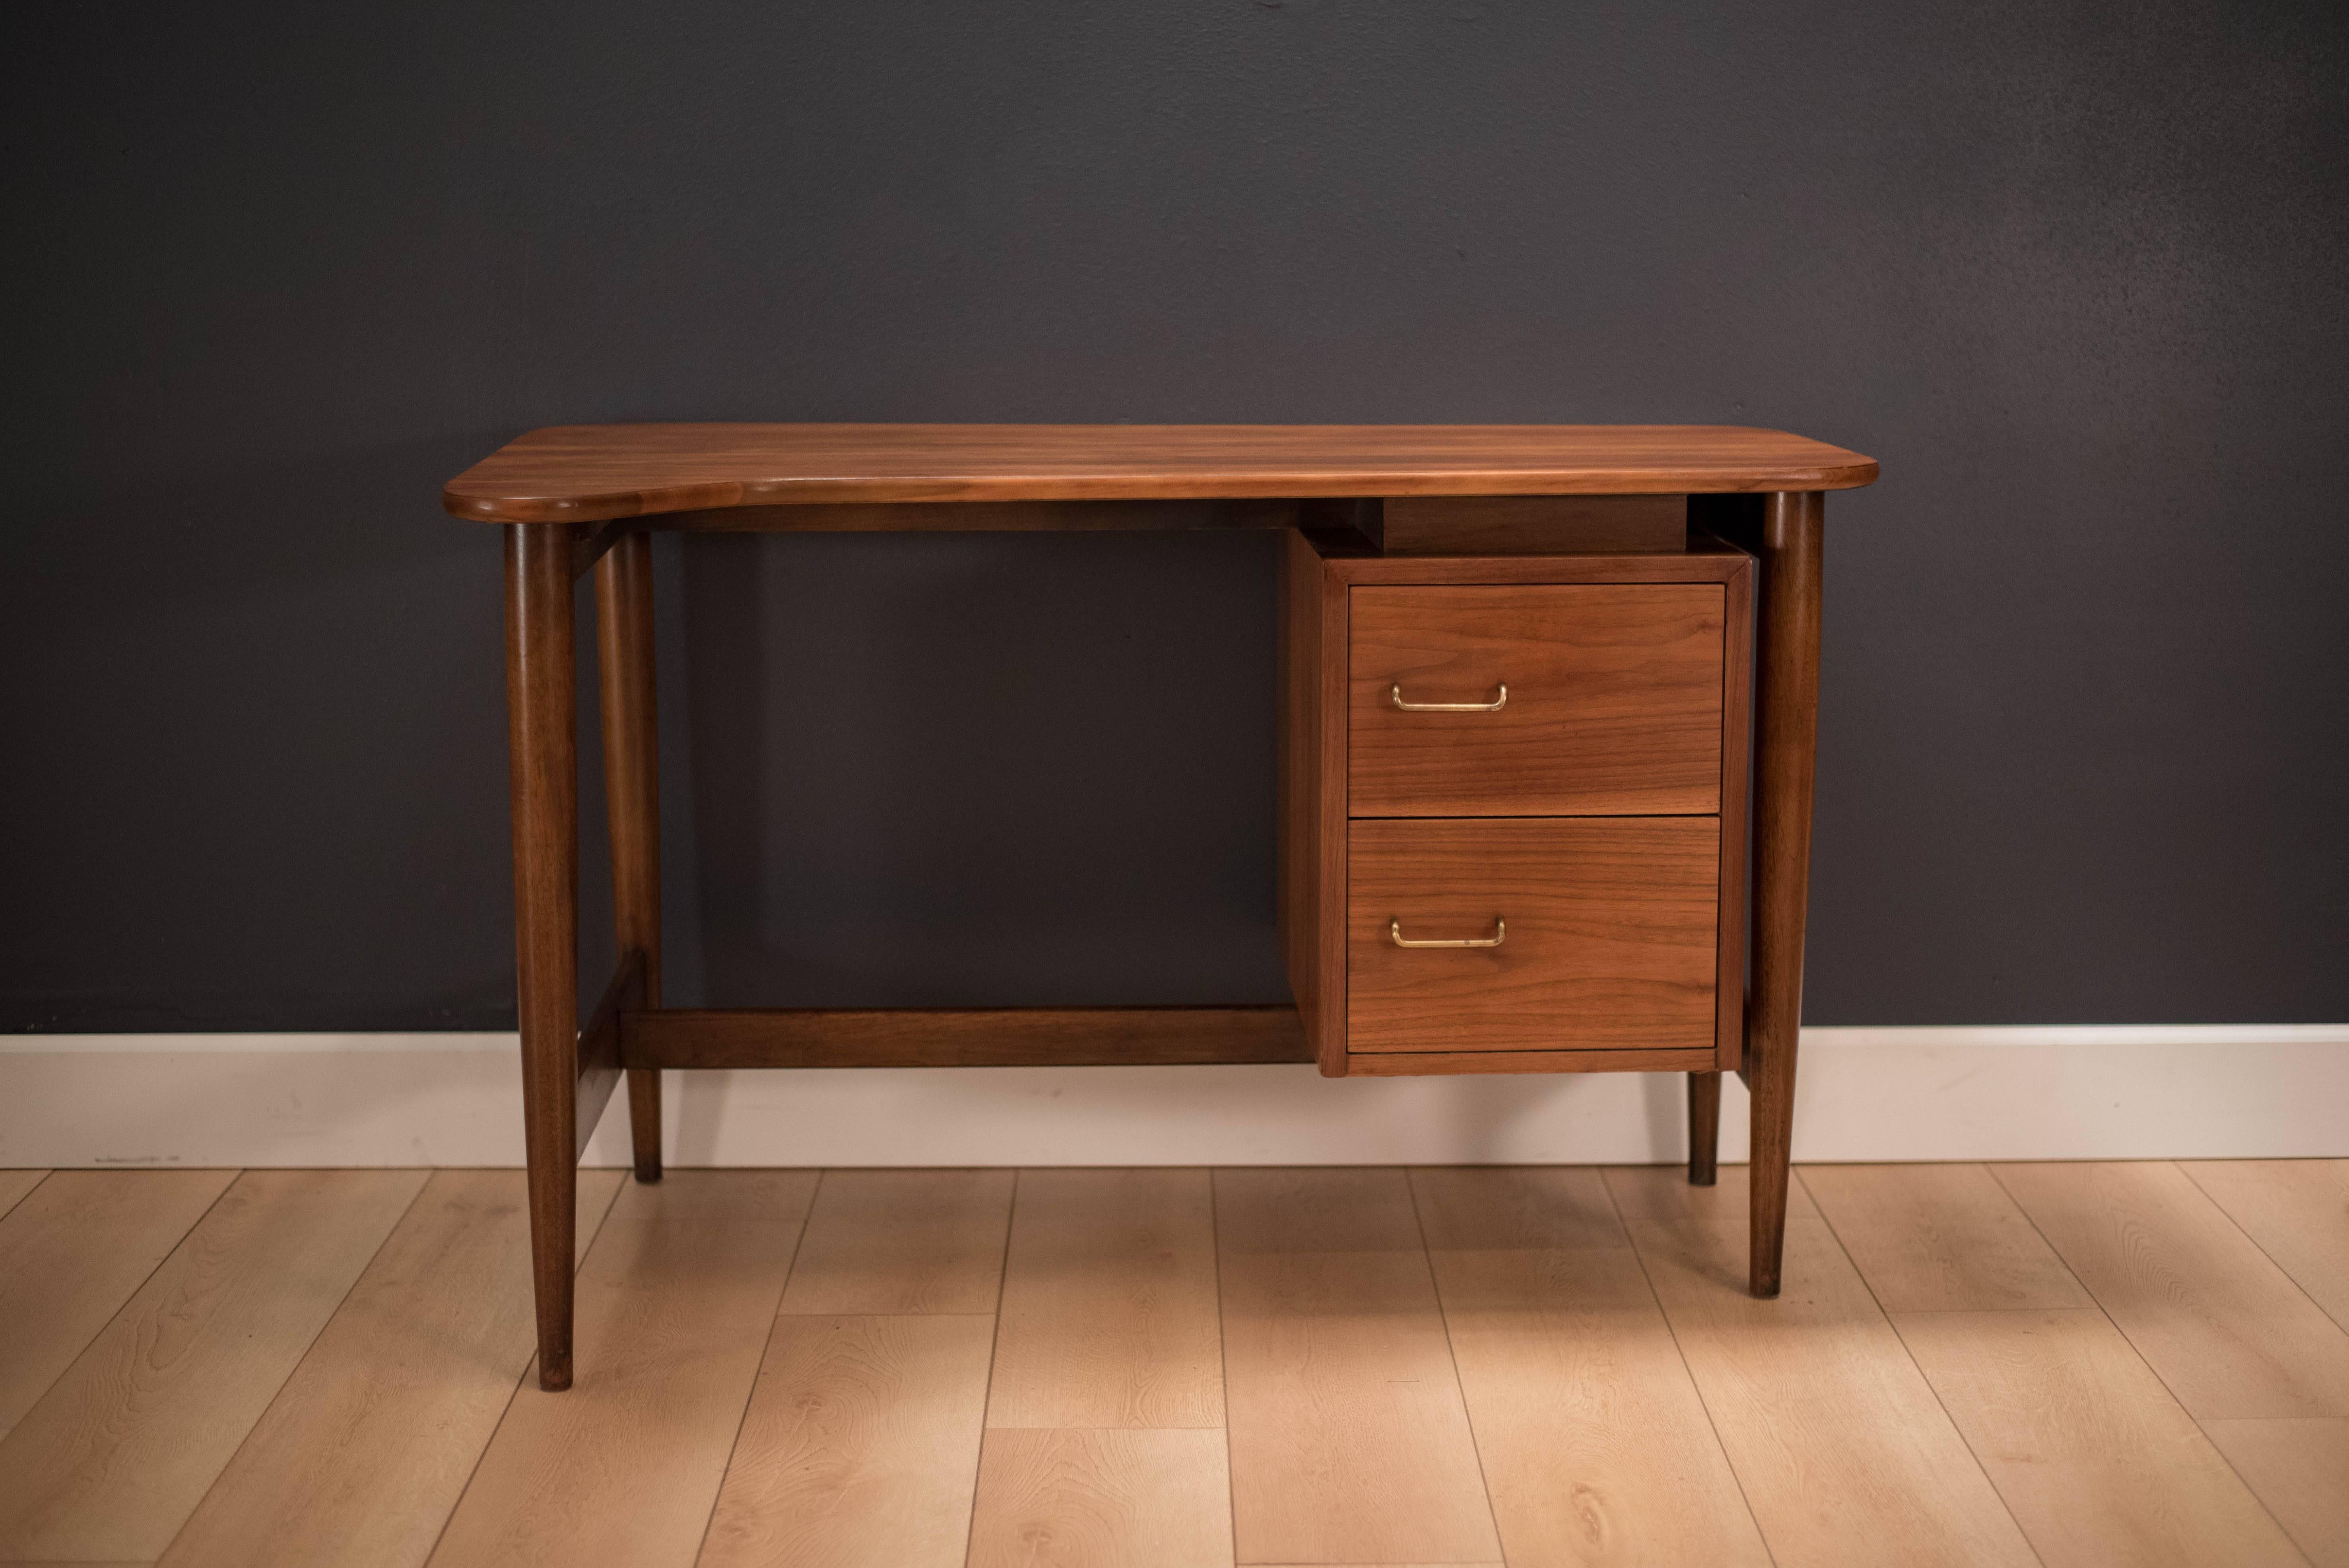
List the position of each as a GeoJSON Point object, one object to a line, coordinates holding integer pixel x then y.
{"type": "Point", "coordinates": [1940, 1404]}
{"type": "Point", "coordinates": [499, 1424]}
{"type": "Point", "coordinates": [1687, 1371]}
{"type": "Point", "coordinates": [226, 1188]}
{"type": "Point", "coordinates": [750, 1394]}
{"type": "Point", "coordinates": [520, 1378]}
{"type": "Point", "coordinates": [2126, 1339]}
{"type": "Point", "coordinates": [2181, 1167]}
{"type": "Point", "coordinates": [1450, 1356]}
{"type": "Point", "coordinates": [43, 1178]}
{"type": "Point", "coordinates": [1223, 1359]}
{"type": "Point", "coordinates": [994, 1350]}
{"type": "Point", "coordinates": [294, 1370]}
{"type": "Point", "coordinates": [2147, 1361]}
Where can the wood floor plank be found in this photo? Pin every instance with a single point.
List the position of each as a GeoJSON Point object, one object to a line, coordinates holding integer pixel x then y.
{"type": "Point", "coordinates": [359, 1460]}
{"type": "Point", "coordinates": [890, 1242]}
{"type": "Point", "coordinates": [71, 1253]}
{"type": "Point", "coordinates": [14, 1183]}
{"type": "Point", "coordinates": [2297, 1212]}
{"type": "Point", "coordinates": [1109, 1315]}
{"type": "Point", "coordinates": [1840, 1446]}
{"type": "Point", "coordinates": [1595, 1447]}
{"type": "Point", "coordinates": [1121, 1499]}
{"type": "Point", "coordinates": [117, 1454]}
{"type": "Point", "coordinates": [1515, 1208]}
{"type": "Point", "coordinates": [1349, 1439]}
{"type": "Point", "coordinates": [860, 1446]}
{"type": "Point", "coordinates": [675, 1302]}
{"type": "Point", "coordinates": [1940, 1238]}
{"type": "Point", "coordinates": [2300, 1469]}
{"type": "Point", "coordinates": [2097, 1461]}
{"type": "Point", "coordinates": [2226, 1328]}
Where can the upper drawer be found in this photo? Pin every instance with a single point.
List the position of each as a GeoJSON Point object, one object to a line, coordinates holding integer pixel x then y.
{"type": "Point", "coordinates": [1613, 706]}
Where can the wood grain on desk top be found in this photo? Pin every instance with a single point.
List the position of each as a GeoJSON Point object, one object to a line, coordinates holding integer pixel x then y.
{"type": "Point", "coordinates": [588, 473]}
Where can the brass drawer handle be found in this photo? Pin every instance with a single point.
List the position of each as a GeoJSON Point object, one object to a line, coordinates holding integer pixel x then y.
{"type": "Point", "coordinates": [1500, 935]}
{"type": "Point", "coordinates": [1395, 696]}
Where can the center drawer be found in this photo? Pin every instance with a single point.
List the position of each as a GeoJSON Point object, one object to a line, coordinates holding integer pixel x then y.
{"type": "Point", "coordinates": [1607, 926]}
{"type": "Point", "coordinates": [1613, 707]}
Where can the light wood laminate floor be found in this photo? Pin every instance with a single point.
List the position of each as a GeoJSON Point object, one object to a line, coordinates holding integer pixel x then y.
{"type": "Point", "coordinates": [2058, 1363]}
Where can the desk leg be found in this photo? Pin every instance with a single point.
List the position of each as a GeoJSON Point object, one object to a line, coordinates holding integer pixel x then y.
{"type": "Point", "coordinates": [1704, 1129]}
{"type": "Point", "coordinates": [542, 725]}
{"type": "Point", "coordinates": [1786, 693]}
{"type": "Point", "coordinates": [624, 642]}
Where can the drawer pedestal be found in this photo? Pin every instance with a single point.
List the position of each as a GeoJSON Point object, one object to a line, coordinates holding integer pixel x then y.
{"type": "Point", "coordinates": [1541, 759]}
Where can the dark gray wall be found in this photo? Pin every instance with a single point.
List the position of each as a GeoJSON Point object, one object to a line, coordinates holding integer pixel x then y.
{"type": "Point", "coordinates": [2074, 273]}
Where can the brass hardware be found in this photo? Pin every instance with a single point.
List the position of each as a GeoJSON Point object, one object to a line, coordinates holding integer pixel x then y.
{"type": "Point", "coordinates": [1395, 696]}
{"type": "Point", "coordinates": [1500, 935]}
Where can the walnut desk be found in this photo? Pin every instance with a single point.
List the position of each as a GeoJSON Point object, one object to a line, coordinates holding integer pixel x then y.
{"type": "Point", "coordinates": [1533, 679]}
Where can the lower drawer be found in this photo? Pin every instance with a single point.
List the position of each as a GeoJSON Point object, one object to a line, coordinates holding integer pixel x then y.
{"type": "Point", "coordinates": [1607, 926]}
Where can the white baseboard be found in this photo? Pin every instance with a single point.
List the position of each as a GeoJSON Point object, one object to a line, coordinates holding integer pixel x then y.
{"type": "Point", "coordinates": [2059, 1093]}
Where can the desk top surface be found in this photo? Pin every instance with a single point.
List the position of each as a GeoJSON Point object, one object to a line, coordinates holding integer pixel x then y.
{"type": "Point", "coordinates": [589, 473]}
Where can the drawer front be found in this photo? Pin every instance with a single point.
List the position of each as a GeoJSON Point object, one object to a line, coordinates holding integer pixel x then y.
{"type": "Point", "coordinates": [1610, 940]}
{"type": "Point", "coordinates": [1613, 706]}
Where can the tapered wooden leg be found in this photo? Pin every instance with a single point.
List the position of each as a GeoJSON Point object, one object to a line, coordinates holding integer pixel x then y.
{"type": "Point", "coordinates": [1704, 1129]}
{"type": "Point", "coordinates": [624, 641]}
{"type": "Point", "coordinates": [542, 733]}
{"type": "Point", "coordinates": [1787, 691]}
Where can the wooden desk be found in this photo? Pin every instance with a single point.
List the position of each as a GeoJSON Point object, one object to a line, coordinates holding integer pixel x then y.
{"type": "Point", "coordinates": [1570, 852]}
